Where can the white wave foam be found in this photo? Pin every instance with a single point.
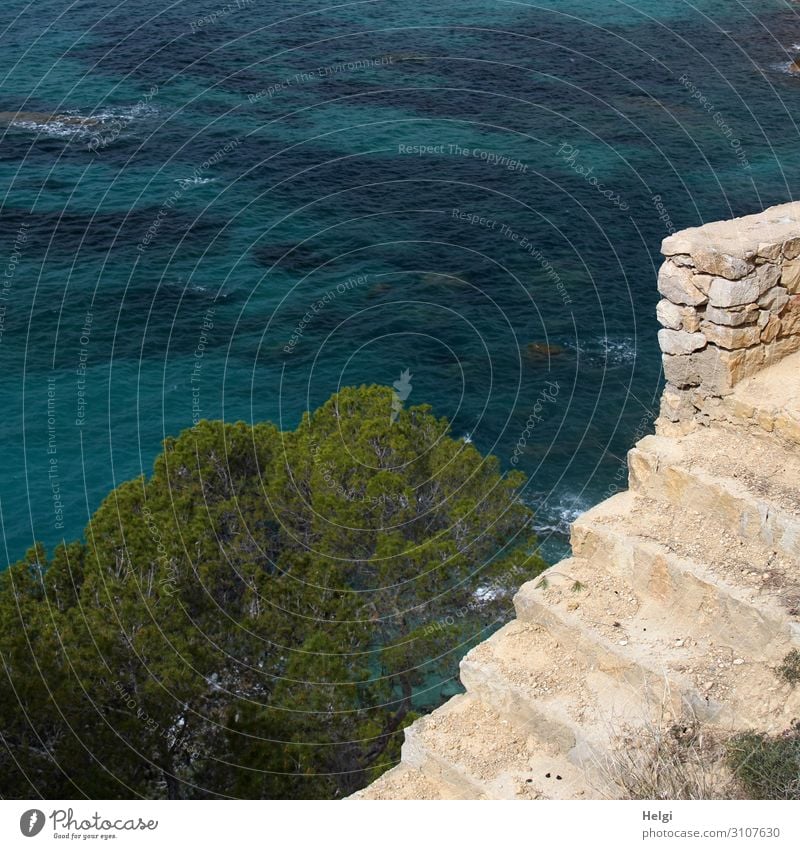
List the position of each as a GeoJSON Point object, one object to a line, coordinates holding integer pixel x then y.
{"type": "Point", "coordinates": [556, 516]}
{"type": "Point", "coordinates": [185, 182]}
{"type": "Point", "coordinates": [606, 351]}
{"type": "Point", "coordinates": [486, 593]}
{"type": "Point", "coordinates": [73, 125]}
{"type": "Point", "coordinates": [621, 350]}
{"type": "Point", "coordinates": [55, 127]}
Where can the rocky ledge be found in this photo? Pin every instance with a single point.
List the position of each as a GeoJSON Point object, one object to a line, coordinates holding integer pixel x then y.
{"type": "Point", "coordinates": [681, 602]}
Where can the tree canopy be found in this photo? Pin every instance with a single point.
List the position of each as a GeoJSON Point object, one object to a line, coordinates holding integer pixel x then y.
{"type": "Point", "coordinates": [263, 615]}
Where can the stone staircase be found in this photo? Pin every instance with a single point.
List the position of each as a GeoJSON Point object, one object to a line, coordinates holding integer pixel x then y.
{"type": "Point", "coordinates": [682, 597]}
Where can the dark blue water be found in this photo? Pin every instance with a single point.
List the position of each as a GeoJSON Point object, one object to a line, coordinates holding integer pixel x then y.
{"type": "Point", "coordinates": [158, 260]}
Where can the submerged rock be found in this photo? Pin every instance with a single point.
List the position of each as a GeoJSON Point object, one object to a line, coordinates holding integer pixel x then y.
{"type": "Point", "coordinates": [542, 350]}
{"type": "Point", "coordinates": [379, 289]}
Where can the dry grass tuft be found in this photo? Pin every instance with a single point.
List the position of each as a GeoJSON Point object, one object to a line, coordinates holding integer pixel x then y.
{"type": "Point", "coordinates": [671, 760]}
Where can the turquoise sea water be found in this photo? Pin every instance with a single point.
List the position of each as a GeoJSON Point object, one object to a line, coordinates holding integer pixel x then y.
{"type": "Point", "coordinates": [243, 160]}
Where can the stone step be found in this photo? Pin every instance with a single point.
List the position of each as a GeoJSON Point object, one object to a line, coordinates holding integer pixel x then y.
{"type": "Point", "coordinates": [714, 681]}
{"type": "Point", "coordinates": [691, 566]}
{"type": "Point", "coordinates": [643, 692]}
{"type": "Point", "coordinates": [405, 782]}
{"type": "Point", "coordinates": [478, 754]}
{"type": "Point", "coordinates": [768, 401]}
{"type": "Point", "coordinates": [562, 690]}
{"type": "Point", "coordinates": [747, 485]}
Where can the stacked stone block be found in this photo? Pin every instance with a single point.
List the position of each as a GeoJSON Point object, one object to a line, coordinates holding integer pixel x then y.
{"type": "Point", "coordinates": [730, 307]}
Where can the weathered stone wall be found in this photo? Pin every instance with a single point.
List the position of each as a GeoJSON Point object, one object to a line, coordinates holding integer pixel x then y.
{"type": "Point", "coordinates": [730, 307]}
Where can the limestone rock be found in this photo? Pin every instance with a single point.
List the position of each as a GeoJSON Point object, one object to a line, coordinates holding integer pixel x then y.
{"type": "Point", "coordinates": [703, 282]}
{"type": "Point", "coordinates": [771, 329]}
{"type": "Point", "coordinates": [774, 299]}
{"type": "Point", "coordinates": [733, 317]}
{"type": "Point", "coordinates": [669, 314]}
{"type": "Point", "coordinates": [730, 293]}
{"type": "Point", "coordinates": [790, 278]}
{"type": "Point", "coordinates": [675, 317]}
{"type": "Point", "coordinates": [678, 244]}
{"type": "Point", "coordinates": [770, 250]}
{"type": "Point", "coordinates": [691, 319]}
{"type": "Point", "coordinates": [791, 248]}
{"type": "Point", "coordinates": [739, 365]}
{"type": "Point", "coordinates": [680, 342]}
{"type": "Point", "coordinates": [676, 404]}
{"type": "Point", "coordinates": [768, 276]}
{"type": "Point", "coordinates": [731, 337]}
{"type": "Point", "coordinates": [676, 284]}
{"type": "Point", "coordinates": [681, 372]}
{"type": "Point", "coordinates": [790, 317]}
{"type": "Point", "coordinates": [718, 264]}
{"type": "Point", "coordinates": [738, 237]}
{"type": "Point", "coordinates": [718, 370]}
{"type": "Point", "coordinates": [777, 350]}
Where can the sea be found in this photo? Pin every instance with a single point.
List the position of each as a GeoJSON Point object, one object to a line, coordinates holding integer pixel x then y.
{"type": "Point", "coordinates": [232, 210]}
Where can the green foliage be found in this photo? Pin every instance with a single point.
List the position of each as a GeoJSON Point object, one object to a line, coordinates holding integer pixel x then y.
{"type": "Point", "coordinates": [255, 619]}
{"type": "Point", "coordinates": [767, 766]}
{"type": "Point", "coordinates": [789, 669]}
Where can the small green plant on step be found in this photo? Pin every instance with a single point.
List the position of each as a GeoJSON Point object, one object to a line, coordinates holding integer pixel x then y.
{"type": "Point", "coordinates": [544, 583]}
